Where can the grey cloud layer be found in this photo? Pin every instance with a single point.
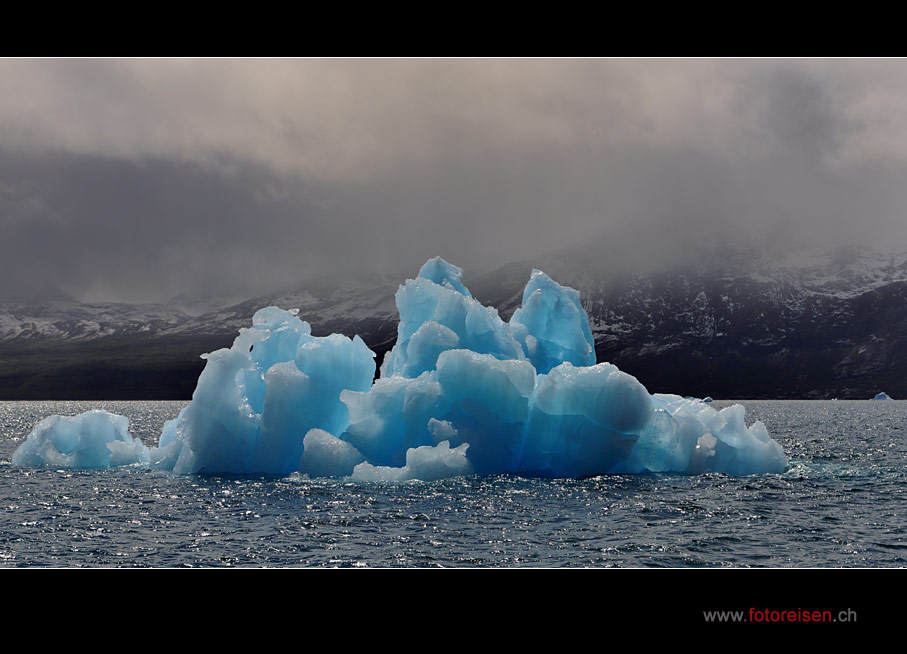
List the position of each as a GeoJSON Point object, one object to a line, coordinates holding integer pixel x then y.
{"type": "Point", "coordinates": [136, 178]}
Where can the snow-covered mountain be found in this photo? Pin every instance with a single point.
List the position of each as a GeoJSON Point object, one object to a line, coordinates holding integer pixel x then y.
{"type": "Point", "coordinates": [743, 321]}
{"type": "Point", "coordinates": [23, 322]}
{"type": "Point", "coordinates": [351, 305]}
{"type": "Point", "coordinates": [739, 321]}
{"type": "Point", "coordinates": [63, 349]}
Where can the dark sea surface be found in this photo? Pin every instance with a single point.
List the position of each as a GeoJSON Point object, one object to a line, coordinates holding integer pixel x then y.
{"type": "Point", "coordinates": [840, 504]}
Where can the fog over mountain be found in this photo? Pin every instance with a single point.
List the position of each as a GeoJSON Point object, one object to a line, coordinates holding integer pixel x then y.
{"type": "Point", "coordinates": [144, 180]}
{"type": "Point", "coordinates": [734, 321]}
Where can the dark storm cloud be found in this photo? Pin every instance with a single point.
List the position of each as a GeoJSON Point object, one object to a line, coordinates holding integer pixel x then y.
{"type": "Point", "coordinates": [108, 228]}
{"type": "Point", "coordinates": [140, 179]}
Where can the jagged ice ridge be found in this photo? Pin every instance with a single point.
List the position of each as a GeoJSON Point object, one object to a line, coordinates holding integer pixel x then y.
{"type": "Point", "coordinates": [462, 392]}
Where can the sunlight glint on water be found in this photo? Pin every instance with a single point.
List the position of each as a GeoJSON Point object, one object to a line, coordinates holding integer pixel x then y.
{"type": "Point", "coordinates": [840, 504]}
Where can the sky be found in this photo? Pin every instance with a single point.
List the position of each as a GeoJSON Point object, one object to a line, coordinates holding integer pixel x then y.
{"type": "Point", "coordinates": [139, 179]}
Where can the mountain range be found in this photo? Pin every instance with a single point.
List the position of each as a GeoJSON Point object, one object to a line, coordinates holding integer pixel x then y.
{"type": "Point", "coordinates": [728, 321]}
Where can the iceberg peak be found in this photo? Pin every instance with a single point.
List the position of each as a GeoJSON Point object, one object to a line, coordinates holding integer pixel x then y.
{"type": "Point", "coordinates": [552, 325]}
{"type": "Point", "coordinates": [446, 274]}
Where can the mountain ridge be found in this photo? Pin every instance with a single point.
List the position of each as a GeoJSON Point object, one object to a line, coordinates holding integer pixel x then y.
{"type": "Point", "coordinates": [734, 323]}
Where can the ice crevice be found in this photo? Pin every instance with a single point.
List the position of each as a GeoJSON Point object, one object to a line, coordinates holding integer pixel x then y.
{"type": "Point", "coordinates": [462, 392]}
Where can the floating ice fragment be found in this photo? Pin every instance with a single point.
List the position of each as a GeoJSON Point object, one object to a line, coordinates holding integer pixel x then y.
{"type": "Point", "coordinates": [326, 455]}
{"type": "Point", "coordinates": [426, 463]}
{"type": "Point", "coordinates": [94, 439]}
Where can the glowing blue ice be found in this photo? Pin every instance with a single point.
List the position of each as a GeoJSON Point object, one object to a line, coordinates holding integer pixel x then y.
{"type": "Point", "coordinates": [438, 313]}
{"type": "Point", "coordinates": [461, 392]}
{"type": "Point", "coordinates": [545, 410]}
{"type": "Point", "coordinates": [94, 439]}
{"type": "Point", "coordinates": [552, 325]}
{"type": "Point", "coordinates": [255, 402]}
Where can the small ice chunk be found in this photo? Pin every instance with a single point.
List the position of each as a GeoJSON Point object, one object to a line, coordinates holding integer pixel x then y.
{"type": "Point", "coordinates": [441, 430]}
{"type": "Point", "coordinates": [426, 463]}
{"type": "Point", "coordinates": [94, 439]}
{"type": "Point", "coordinates": [325, 455]}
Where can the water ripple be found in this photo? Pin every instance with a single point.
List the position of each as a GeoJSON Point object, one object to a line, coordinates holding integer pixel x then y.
{"type": "Point", "coordinates": [839, 504]}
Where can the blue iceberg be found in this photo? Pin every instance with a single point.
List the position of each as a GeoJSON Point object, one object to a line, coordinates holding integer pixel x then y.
{"type": "Point", "coordinates": [94, 439]}
{"type": "Point", "coordinates": [462, 392]}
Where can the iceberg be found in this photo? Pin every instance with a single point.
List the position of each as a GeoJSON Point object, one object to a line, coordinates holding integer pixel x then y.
{"type": "Point", "coordinates": [94, 439]}
{"type": "Point", "coordinates": [461, 392]}
{"type": "Point", "coordinates": [882, 396]}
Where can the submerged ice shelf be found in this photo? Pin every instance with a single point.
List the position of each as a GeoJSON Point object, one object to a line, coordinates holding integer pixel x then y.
{"type": "Point", "coordinates": [461, 392]}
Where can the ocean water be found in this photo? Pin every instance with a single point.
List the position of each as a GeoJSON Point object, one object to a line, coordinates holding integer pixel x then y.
{"type": "Point", "coordinates": [840, 504]}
